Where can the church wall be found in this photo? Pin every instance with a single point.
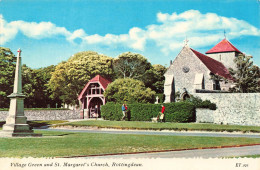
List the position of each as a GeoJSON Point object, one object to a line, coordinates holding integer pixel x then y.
{"type": "Point", "coordinates": [232, 108]}
{"type": "Point", "coordinates": [46, 114]}
{"type": "Point", "coordinates": [226, 58]}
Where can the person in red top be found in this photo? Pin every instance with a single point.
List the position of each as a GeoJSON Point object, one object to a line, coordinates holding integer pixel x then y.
{"type": "Point", "coordinates": [162, 117]}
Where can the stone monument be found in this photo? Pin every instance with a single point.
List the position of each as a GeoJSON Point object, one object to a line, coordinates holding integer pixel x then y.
{"type": "Point", "coordinates": [16, 123]}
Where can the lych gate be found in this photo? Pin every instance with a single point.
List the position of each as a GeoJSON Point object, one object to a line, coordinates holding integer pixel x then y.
{"type": "Point", "coordinates": [92, 97]}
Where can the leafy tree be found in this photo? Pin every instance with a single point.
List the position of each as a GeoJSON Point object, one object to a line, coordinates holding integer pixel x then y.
{"type": "Point", "coordinates": [154, 78]}
{"type": "Point", "coordinates": [130, 91]}
{"type": "Point", "coordinates": [7, 69]}
{"type": "Point", "coordinates": [35, 87]}
{"type": "Point", "coordinates": [69, 77]}
{"type": "Point", "coordinates": [131, 65]}
{"type": "Point", "coordinates": [246, 75]}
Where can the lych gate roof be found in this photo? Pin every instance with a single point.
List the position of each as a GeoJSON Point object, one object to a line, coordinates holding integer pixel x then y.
{"type": "Point", "coordinates": [98, 79]}
{"type": "Point", "coordinates": [223, 46]}
{"type": "Point", "coordinates": [104, 82]}
{"type": "Point", "coordinates": [214, 66]}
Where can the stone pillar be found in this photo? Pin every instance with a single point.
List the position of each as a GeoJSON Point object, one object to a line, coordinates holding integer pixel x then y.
{"type": "Point", "coordinates": [16, 123]}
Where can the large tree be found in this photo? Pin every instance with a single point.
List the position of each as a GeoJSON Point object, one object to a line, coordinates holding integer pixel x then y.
{"type": "Point", "coordinates": [69, 77]}
{"type": "Point", "coordinates": [35, 87]}
{"type": "Point", "coordinates": [246, 75]}
{"type": "Point", "coordinates": [7, 68]}
{"type": "Point", "coordinates": [154, 78]}
{"type": "Point", "coordinates": [130, 91]}
{"type": "Point", "coordinates": [131, 65]}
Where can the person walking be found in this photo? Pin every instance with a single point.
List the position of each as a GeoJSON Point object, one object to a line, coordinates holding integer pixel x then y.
{"type": "Point", "coordinates": [162, 116]}
{"type": "Point", "coordinates": [124, 111]}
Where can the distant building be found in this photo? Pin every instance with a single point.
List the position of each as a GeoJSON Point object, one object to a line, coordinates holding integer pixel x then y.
{"type": "Point", "coordinates": [192, 71]}
{"type": "Point", "coordinates": [91, 97]}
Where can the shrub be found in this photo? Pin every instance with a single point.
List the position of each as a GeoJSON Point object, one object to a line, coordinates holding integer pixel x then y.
{"type": "Point", "coordinates": [111, 111]}
{"type": "Point", "coordinates": [199, 103]}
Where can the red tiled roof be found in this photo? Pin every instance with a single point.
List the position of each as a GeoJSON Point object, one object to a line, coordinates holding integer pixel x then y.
{"type": "Point", "coordinates": [104, 82]}
{"type": "Point", "coordinates": [214, 66]}
{"type": "Point", "coordinates": [98, 79]}
{"type": "Point", "coordinates": [223, 46]}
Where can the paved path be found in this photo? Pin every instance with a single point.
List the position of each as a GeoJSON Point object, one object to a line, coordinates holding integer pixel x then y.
{"type": "Point", "coordinates": [199, 153]}
{"type": "Point", "coordinates": [168, 133]}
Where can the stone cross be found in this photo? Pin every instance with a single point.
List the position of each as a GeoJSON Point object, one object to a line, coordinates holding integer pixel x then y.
{"type": "Point", "coordinates": [186, 41]}
{"type": "Point", "coordinates": [16, 123]}
{"type": "Point", "coordinates": [157, 100]}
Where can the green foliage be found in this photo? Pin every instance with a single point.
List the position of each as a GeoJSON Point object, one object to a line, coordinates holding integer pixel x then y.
{"type": "Point", "coordinates": [111, 111]}
{"type": "Point", "coordinates": [246, 75]}
{"type": "Point", "coordinates": [70, 77]}
{"type": "Point", "coordinates": [35, 87]}
{"type": "Point", "coordinates": [199, 103]}
{"type": "Point", "coordinates": [131, 65]}
{"type": "Point", "coordinates": [130, 91]}
{"type": "Point", "coordinates": [7, 69]}
{"type": "Point", "coordinates": [174, 112]}
{"type": "Point", "coordinates": [154, 78]}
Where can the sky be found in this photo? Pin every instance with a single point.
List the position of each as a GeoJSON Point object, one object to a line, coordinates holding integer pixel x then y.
{"type": "Point", "coordinates": [51, 31]}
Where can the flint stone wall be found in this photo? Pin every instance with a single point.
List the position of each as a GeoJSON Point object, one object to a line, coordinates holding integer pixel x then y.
{"type": "Point", "coordinates": [46, 114]}
{"type": "Point", "coordinates": [232, 108]}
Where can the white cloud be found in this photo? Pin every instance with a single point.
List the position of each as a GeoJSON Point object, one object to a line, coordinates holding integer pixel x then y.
{"type": "Point", "coordinates": [168, 34]}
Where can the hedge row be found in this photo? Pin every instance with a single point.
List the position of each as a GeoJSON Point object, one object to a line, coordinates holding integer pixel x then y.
{"type": "Point", "coordinates": [174, 112]}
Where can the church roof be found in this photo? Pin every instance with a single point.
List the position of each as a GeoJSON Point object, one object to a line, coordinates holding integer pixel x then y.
{"type": "Point", "coordinates": [223, 46]}
{"type": "Point", "coordinates": [214, 66]}
{"type": "Point", "coordinates": [97, 79]}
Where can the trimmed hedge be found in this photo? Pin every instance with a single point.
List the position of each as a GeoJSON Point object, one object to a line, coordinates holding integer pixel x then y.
{"type": "Point", "coordinates": [174, 112]}
{"type": "Point", "coordinates": [111, 111]}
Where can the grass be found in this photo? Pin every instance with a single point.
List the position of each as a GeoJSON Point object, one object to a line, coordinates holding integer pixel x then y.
{"type": "Point", "coordinates": [162, 126]}
{"type": "Point", "coordinates": [60, 144]}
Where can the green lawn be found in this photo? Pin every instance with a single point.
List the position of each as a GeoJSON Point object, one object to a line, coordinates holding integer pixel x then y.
{"type": "Point", "coordinates": [58, 144]}
{"type": "Point", "coordinates": [163, 126]}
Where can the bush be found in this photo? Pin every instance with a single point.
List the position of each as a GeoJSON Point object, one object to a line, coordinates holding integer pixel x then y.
{"type": "Point", "coordinates": [111, 111]}
{"type": "Point", "coordinates": [174, 112]}
{"type": "Point", "coordinates": [199, 103]}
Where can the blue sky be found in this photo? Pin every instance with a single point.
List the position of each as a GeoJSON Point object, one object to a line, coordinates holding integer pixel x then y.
{"type": "Point", "coordinates": [50, 31]}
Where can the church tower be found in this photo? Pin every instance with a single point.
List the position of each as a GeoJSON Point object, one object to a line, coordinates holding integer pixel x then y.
{"type": "Point", "coordinates": [225, 53]}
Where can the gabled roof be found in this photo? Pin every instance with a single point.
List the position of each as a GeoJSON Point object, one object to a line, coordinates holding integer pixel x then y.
{"type": "Point", "coordinates": [223, 46]}
{"type": "Point", "coordinates": [214, 66]}
{"type": "Point", "coordinates": [98, 79]}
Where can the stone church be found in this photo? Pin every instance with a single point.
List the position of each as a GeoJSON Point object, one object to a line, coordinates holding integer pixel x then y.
{"type": "Point", "coordinates": [192, 71]}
